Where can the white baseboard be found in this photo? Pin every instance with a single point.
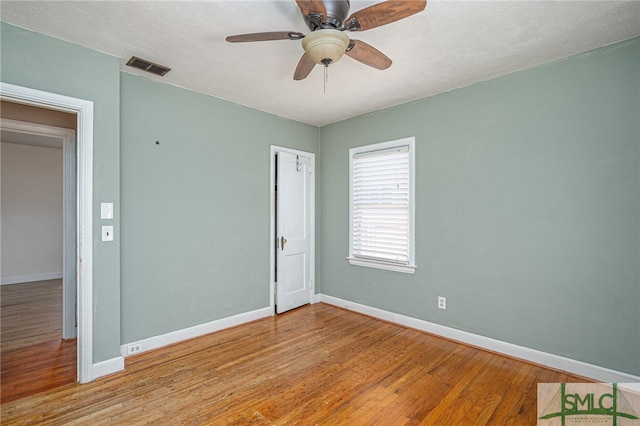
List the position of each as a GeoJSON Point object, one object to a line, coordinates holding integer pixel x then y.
{"type": "Point", "coordinates": [557, 362]}
{"type": "Point", "coordinates": [110, 366]}
{"type": "Point", "coordinates": [195, 331]}
{"type": "Point", "coordinates": [31, 278]}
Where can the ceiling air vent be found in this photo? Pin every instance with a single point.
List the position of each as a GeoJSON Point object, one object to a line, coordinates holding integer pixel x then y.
{"type": "Point", "coordinates": [147, 66]}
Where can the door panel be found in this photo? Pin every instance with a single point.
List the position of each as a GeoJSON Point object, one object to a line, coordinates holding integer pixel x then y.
{"type": "Point", "coordinates": [293, 284]}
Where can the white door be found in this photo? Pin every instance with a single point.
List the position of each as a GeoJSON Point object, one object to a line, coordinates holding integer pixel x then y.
{"type": "Point", "coordinates": [293, 231]}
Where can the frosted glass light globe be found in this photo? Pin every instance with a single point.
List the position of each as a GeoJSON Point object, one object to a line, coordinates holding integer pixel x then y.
{"type": "Point", "coordinates": [325, 46]}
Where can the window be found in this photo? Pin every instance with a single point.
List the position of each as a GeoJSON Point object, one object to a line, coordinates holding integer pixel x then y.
{"type": "Point", "coordinates": [381, 209]}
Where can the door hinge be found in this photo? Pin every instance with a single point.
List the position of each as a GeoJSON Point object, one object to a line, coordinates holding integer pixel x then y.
{"type": "Point", "coordinates": [298, 163]}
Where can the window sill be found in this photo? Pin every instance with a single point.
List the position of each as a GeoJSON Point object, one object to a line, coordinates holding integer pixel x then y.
{"type": "Point", "coordinates": [407, 269]}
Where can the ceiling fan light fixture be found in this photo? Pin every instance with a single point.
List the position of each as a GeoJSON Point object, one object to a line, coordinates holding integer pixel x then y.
{"type": "Point", "coordinates": [325, 46]}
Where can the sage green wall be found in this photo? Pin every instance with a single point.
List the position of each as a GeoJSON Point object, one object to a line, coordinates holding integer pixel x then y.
{"type": "Point", "coordinates": [527, 210]}
{"type": "Point", "coordinates": [195, 207]}
{"type": "Point", "coordinates": [39, 62]}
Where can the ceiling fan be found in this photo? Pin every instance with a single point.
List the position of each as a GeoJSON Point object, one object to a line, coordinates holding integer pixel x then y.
{"type": "Point", "coordinates": [327, 42]}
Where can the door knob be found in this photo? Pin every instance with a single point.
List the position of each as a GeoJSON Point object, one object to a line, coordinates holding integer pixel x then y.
{"type": "Point", "coordinates": [283, 241]}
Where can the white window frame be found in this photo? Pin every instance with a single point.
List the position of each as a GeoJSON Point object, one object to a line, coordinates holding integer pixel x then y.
{"type": "Point", "coordinates": [381, 264]}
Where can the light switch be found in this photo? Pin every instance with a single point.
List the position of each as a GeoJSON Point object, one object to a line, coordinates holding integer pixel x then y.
{"type": "Point", "coordinates": [107, 233]}
{"type": "Point", "coordinates": [106, 211]}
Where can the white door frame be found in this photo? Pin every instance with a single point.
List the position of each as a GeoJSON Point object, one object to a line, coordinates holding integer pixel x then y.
{"type": "Point", "coordinates": [272, 227]}
{"type": "Point", "coordinates": [84, 231]}
{"type": "Point", "coordinates": [66, 138]}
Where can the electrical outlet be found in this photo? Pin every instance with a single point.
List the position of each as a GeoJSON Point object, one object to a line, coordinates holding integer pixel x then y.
{"type": "Point", "coordinates": [134, 349]}
{"type": "Point", "coordinates": [442, 302]}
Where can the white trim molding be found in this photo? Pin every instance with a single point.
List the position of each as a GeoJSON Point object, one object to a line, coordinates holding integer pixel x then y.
{"type": "Point", "coordinates": [110, 366]}
{"type": "Point", "coordinates": [192, 332]}
{"type": "Point", "coordinates": [556, 362]}
{"type": "Point", "coordinates": [84, 134]}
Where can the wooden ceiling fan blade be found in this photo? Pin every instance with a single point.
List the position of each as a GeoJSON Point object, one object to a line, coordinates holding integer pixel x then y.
{"type": "Point", "coordinates": [304, 67]}
{"type": "Point", "coordinates": [368, 55]}
{"type": "Point", "coordinates": [384, 13]}
{"type": "Point", "coordinates": [308, 7]}
{"type": "Point", "coordinates": [274, 35]}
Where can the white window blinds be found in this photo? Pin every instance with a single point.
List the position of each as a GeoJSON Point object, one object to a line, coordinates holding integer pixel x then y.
{"type": "Point", "coordinates": [381, 205]}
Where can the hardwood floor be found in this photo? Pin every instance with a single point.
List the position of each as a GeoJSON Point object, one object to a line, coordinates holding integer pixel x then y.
{"type": "Point", "coordinates": [314, 365]}
{"type": "Point", "coordinates": [33, 355]}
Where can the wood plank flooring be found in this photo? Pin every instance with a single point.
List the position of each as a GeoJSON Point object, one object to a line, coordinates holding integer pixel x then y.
{"type": "Point", "coordinates": [33, 355]}
{"type": "Point", "coordinates": [317, 365]}
{"type": "Point", "coordinates": [31, 313]}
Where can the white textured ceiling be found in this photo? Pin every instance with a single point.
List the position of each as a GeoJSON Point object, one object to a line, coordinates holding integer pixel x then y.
{"type": "Point", "coordinates": [449, 45]}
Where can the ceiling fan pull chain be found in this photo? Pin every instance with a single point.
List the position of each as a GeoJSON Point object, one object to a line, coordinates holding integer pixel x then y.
{"type": "Point", "coordinates": [326, 77]}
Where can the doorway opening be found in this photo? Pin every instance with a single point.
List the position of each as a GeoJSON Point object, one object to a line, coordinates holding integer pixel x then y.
{"type": "Point", "coordinates": [39, 250]}
{"type": "Point", "coordinates": [83, 111]}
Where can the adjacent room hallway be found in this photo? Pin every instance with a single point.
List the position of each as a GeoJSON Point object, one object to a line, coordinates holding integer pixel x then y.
{"type": "Point", "coordinates": [34, 357]}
